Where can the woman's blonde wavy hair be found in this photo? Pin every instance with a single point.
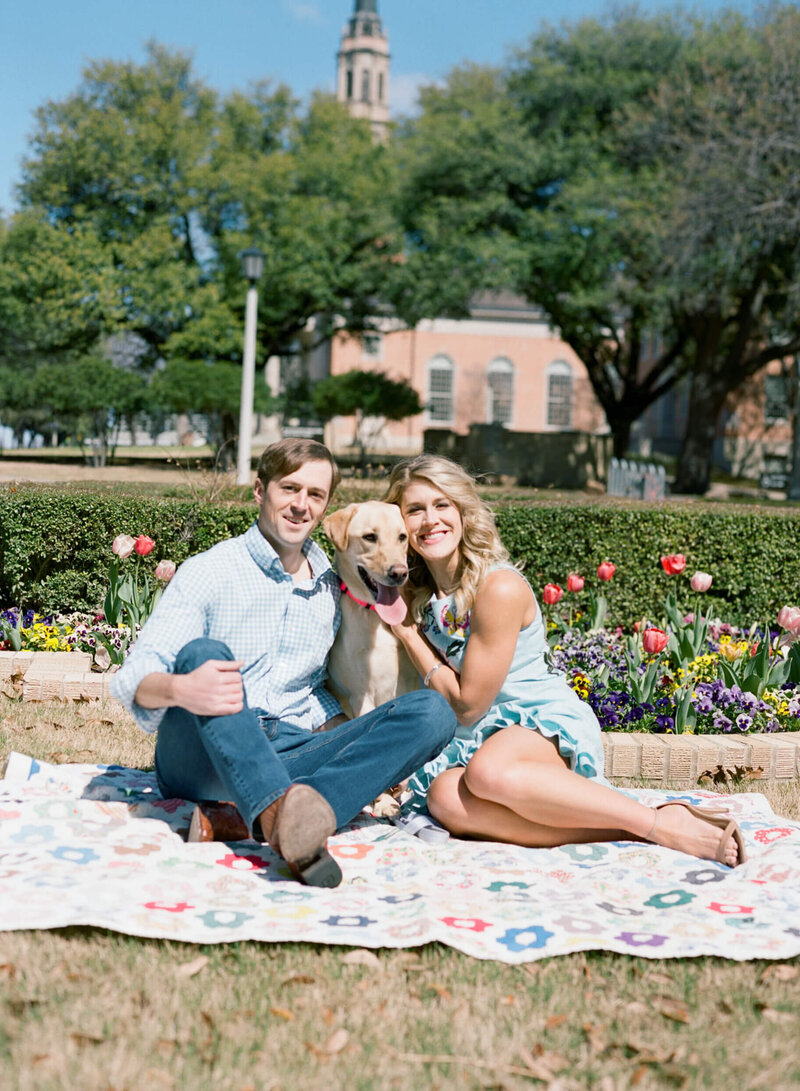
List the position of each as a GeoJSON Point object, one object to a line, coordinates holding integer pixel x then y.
{"type": "Point", "coordinates": [480, 545]}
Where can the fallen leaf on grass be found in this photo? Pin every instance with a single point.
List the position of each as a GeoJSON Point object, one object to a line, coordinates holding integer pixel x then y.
{"type": "Point", "coordinates": [781, 971]}
{"type": "Point", "coordinates": [282, 1013]}
{"type": "Point", "coordinates": [86, 1039]}
{"type": "Point", "coordinates": [8, 970]}
{"type": "Point", "coordinates": [189, 969]}
{"type": "Point", "coordinates": [9, 725]}
{"type": "Point", "coordinates": [775, 1016]}
{"type": "Point", "coordinates": [361, 957]}
{"type": "Point", "coordinates": [540, 1060]}
{"type": "Point", "coordinates": [337, 1041]}
{"type": "Point", "coordinates": [60, 757]}
{"type": "Point", "coordinates": [594, 1037]}
{"type": "Point", "coordinates": [298, 979]}
{"type": "Point", "coordinates": [731, 774]}
{"type": "Point", "coordinates": [660, 979]}
{"type": "Point", "coordinates": [554, 1021]}
{"type": "Point", "coordinates": [473, 1062]}
{"type": "Point", "coordinates": [672, 1009]}
{"type": "Point", "coordinates": [647, 1055]}
{"type": "Point", "coordinates": [441, 991]}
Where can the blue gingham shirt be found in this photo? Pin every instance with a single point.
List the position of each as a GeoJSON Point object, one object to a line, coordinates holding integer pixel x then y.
{"type": "Point", "coordinates": [238, 592]}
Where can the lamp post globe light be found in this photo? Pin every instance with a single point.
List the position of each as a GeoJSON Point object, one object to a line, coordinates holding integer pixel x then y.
{"type": "Point", "coordinates": [252, 268]}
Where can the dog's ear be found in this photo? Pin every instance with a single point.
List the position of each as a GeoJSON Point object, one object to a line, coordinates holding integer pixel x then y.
{"type": "Point", "coordinates": [336, 525]}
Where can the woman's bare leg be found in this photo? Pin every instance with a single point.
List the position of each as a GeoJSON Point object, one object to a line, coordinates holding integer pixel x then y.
{"type": "Point", "coordinates": [524, 777]}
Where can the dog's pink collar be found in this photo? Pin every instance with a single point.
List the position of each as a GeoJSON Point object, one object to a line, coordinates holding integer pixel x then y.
{"type": "Point", "coordinates": [343, 587]}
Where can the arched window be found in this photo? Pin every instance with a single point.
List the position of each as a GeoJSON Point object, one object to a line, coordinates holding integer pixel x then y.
{"type": "Point", "coordinates": [349, 84]}
{"type": "Point", "coordinates": [500, 391]}
{"type": "Point", "coordinates": [559, 395]}
{"type": "Point", "coordinates": [365, 85]}
{"type": "Point", "coordinates": [440, 390]}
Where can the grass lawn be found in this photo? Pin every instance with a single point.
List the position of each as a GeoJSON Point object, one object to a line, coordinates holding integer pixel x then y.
{"type": "Point", "coordinates": [97, 1011]}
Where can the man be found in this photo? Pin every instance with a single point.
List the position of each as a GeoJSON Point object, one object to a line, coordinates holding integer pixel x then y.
{"type": "Point", "coordinates": [230, 669]}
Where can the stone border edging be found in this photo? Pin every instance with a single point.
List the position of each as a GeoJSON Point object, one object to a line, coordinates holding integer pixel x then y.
{"type": "Point", "coordinates": [677, 759]}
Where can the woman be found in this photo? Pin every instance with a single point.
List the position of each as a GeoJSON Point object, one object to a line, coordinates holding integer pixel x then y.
{"type": "Point", "coordinates": [526, 764]}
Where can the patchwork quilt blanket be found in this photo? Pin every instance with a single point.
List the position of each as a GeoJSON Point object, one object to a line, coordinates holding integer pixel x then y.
{"type": "Point", "coordinates": [96, 845]}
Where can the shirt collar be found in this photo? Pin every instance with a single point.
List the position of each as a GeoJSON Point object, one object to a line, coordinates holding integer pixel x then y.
{"type": "Point", "coordinates": [268, 560]}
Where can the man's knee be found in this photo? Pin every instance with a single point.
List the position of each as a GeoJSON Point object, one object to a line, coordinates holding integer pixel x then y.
{"type": "Point", "coordinates": [432, 711]}
{"type": "Point", "coordinates": [199, 651]}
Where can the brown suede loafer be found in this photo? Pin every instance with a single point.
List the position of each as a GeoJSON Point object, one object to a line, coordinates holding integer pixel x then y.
{"type": "Point", "coordinates": [217, 821]}
{"type": "Point", "coordinates": [297, 826]}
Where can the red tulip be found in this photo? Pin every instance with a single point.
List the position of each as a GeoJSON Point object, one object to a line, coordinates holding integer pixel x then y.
{"type": "Point", "coordinates": [673, 564]}
{"type": "Point", "coordinates": [654, 641]}
{"type": "Point", "coordinates": [701, 581]}
{"type": "Point", "coordinates": [606, 570]}
{"type": "Point", "coordinates": [123, 546]}
{"type": "Point", "coordinates": [144, 545]}
{"type": "Point", "coordinates": [574, 582]}
{"type": "Point", "coordinates": [551, 593]}
{"type": "Point", "coordinates": [165, 570]}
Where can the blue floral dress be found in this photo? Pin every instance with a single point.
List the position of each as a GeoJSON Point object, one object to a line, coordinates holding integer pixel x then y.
{"type": "Point", "coordinates": [533, 695]}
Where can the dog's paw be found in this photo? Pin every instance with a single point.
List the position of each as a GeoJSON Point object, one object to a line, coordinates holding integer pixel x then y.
{"type": "Point", "coordinates": [385, 806]}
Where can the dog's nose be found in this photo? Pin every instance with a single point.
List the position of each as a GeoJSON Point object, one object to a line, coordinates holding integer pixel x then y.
{"type": "Point", "coordinates": [398, 573]}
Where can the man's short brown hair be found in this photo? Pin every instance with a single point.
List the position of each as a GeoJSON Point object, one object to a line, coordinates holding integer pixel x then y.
{"type": "Point", "coordinates": [288, 455]}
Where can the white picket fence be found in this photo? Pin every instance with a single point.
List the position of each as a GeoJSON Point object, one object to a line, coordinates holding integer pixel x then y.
{"type": "Point", "coordinates": [642, 481]}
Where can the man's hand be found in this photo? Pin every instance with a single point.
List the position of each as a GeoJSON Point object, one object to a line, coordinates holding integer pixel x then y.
{"type": "Point", "coordinates": [212, 689]}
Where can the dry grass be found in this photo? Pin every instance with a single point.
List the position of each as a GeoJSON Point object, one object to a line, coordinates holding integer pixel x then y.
{"type": "Point", "coordinates": [94, 1010]}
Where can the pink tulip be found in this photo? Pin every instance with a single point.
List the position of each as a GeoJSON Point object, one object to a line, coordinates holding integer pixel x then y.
{"type": "Point", "coordinates": [144, 545]}
{"type": "Point", "coordinates": [673, 564]}
{"type": "Point", "coordinates": [551, 594]}
{"type": "Point", "coordinates": [606, 570]}
{"type": "Point", "coordinates": [165, 570]}
{"type": "Point", "coordinates": [789, 619]}
{"type": "Point", "coordinates": [701, 581]}
{"type": "Point", "coordinates": [654, 641]}
{"type": "Point", "coordinates": [123, 546]}
{"type": "Point", "coordinates": [574, 582]}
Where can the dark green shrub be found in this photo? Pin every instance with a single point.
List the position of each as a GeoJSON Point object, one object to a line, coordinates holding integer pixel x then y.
{"type": "Point", "coordinates": [754, 556]}
{"type": "Point", "coordinates": [55, 547]}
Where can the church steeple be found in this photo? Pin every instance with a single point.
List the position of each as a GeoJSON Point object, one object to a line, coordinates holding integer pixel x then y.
{"type": "Point", "coordinates": [363, 83]}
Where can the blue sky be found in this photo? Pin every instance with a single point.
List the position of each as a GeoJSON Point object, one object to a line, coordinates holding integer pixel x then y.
{"type": "Point", "coordinates": [45, 44]}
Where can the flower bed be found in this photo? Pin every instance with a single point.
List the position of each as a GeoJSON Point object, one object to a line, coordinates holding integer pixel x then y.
{"type": "Point", "coordinates": [688, 674]}
{"type": "Point", "coordinates": [597, 666]}
{"type": "Point", "coordinates": [90, 633]}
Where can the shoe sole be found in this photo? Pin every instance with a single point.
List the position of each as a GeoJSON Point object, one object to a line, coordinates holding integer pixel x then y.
{"type": "Point", "coordinates": [305, 823]}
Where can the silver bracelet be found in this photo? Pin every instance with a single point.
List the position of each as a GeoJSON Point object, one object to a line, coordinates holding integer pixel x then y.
{"type": "Point", "coordinates": [426, 681]}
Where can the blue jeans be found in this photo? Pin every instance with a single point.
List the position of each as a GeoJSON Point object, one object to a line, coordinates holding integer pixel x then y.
{"type": "Point", "coordinates": [251, 759]}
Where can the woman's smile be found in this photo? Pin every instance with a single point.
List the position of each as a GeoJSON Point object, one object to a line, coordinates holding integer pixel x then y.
{"type": "Point", "coordinates": [433, 521]}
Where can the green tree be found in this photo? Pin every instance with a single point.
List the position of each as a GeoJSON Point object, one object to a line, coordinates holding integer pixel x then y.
{"type": "Point", "coordinates": [171, 182]}
{"type": "Point", "coordinates": [730, 122]}
{"type": "Point", "coordinates": [89, 398]}
{"type": "Point", "coordinates": [209, 389]}
{"type": "Point", "coordinates": [369, 396]}
{"type": "Point", "coordinates": [632, 178]}
{"type": "Point", "coordinates": [512, 178]}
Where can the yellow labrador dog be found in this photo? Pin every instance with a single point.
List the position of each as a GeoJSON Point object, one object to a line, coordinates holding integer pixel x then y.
{"type": "Point", "coordinates": [367, 665]}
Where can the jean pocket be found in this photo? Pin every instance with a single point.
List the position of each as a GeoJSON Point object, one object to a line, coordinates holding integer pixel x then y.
{"type": "Point", "coordinates": [269, 726]}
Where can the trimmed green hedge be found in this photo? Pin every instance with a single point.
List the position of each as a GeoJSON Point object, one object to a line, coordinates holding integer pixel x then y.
{"type": "Point", "coordinates": [753, 556]}
{"type": "Point", "coordinates": [55, 547]}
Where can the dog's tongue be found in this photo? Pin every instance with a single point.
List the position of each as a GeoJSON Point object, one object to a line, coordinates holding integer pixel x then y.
{"type": "Point", "coordinates": [390, 607]}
